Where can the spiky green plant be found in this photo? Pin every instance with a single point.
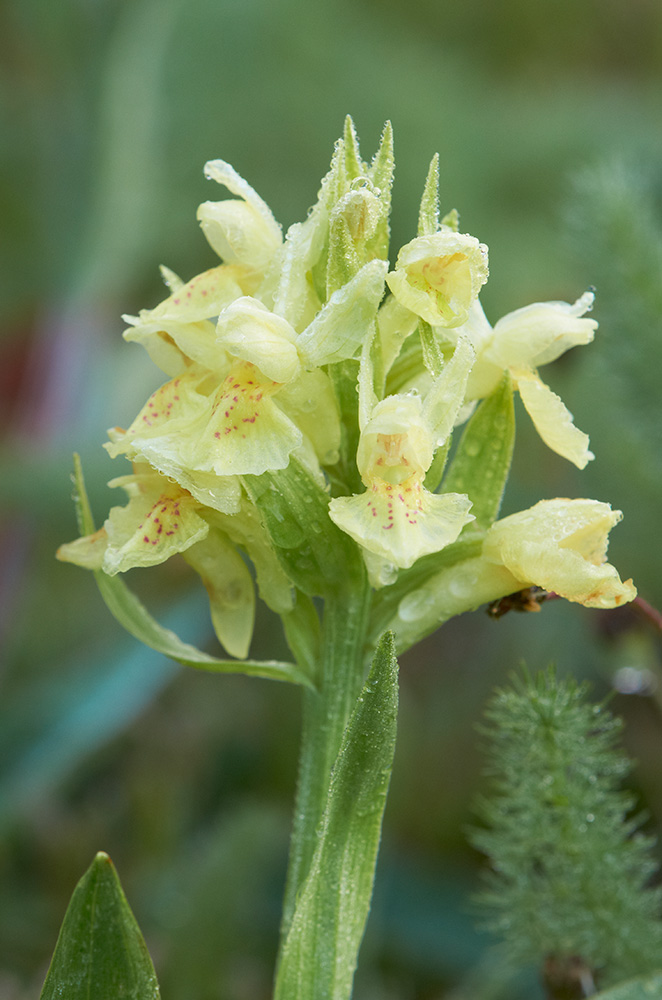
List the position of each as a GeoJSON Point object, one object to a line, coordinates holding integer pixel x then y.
{"type": "Point", "coordinates": [570, 869]}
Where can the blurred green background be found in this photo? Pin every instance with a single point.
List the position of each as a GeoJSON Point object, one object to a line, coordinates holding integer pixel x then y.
{"type": "Point", "coordinates": [547, 117]}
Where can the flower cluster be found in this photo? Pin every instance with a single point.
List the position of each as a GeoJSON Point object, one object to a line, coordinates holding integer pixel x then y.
{"type": "Point", "coordinates": [307, 356]}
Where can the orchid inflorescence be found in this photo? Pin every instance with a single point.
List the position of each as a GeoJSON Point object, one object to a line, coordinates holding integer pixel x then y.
{"type": "Point", "coordinates": [311, 397]}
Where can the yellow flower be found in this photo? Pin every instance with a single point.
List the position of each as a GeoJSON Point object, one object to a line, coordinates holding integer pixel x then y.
{"type": "Point", "coordinates": [397, 519]}
{"type": "Point", "coordinates": [180, 330]}
{"type": "Point", "coordinates": [159, 520]}
{"type": "Point", "coordinates": [561, 545]}
{"type": "Point", "coordinates": [227, 422]}
{"type": "Point", "coordinates": [519, 343]}
{"type": "Point", "coordinates": [162, 520]}
{"type": "Point", "coordinates": [241, 230]}
{"type": "Point", "coordinates": [245, 234]}
{"type": "Point", "coordinates": [438, 277]}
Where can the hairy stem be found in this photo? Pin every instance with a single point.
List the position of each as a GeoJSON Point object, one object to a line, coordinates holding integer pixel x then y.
{"type": "Point", "coordinates": [325, 716]}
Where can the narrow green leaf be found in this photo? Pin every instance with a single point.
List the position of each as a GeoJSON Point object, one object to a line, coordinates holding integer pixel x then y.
{"type": "Point", "coordinates": [100, 952]}
{"type": "Point", "coordinates": [302, 631]}
{"type": "Point", "coordinates": [132, 614]}
{"type": "Point", "coordinates": [320, 952]}
{"type": "Point", "coordinates": [383, 165]}
{"type": "Point", "coordinates": [353, 164]}
{"type": "Point", "coordinates": [344, 377]}
{"type": "Point", "coordinates": [482, 462]}
{"type": "Point", "coordinates": [316, 555]}
{"type": "Point", "coordinates": [452, 220]}
{"type": "Point", "coordinates": [435, 472]}
{"type": "Point", "coordinates": [428, 216]}
{"type": "Point", "coordinates": [136, 619]}
{"type": "Point", "coordinates": [432, 355]}
{"type": "Point", "coordinates": [343, 261]}
{"type": "Point", "coordinates": [381, 174]}
{"type": "Point", "coordinates": [642, 988]}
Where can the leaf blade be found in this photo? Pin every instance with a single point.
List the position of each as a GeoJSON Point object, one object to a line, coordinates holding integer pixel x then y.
{"type": "Point", "coordinates": [481, 464]}
{"type": "Point", "coordinates": [100, 951]}
{"type": "Point", "coordinates": [320, 952]}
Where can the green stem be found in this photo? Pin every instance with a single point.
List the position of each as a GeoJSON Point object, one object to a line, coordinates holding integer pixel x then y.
{"type": "Point", "coordinates": [325, 716]}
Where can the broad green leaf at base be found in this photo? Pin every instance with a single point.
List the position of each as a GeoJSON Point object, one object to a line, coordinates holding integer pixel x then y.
{"type": "Point", "coordinates": [100, 953]}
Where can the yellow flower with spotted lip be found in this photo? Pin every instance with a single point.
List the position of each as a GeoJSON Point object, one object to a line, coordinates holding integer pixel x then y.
{"type": "Point", "coordinates": [438, 277]}
{"type": "Point", "coordinates": [397, 519]}
{"type": "Point", "coordinates": [522, 341]}
{"type": "Point", "coordinates": [202, 423]}
{"type": "Point", "coordinates": [159, 521]}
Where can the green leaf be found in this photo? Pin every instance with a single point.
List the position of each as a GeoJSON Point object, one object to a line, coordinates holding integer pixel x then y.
{"type": "Point", "coordinates": [344, 377]}
{"type": "Point", "coordinates": [343, 261]}
{"type": "Point", "coordinates": [642, 988]}
{"type": "Point", "coordinates": [432, 355]}
{"type": "Point", "coordinates": [320, 952]}
{"type": "Point", "coordinates": [452, 220]}
{"type": "Point", "coordinates": [482, 461]}
{"type": "Point", "coordinates": [132, 614]}
{"type": "Point", "coordinates": [100, 952]}
{"type": "Point", "coordinates": [316, 555]}
{"type": "Point", "coordinates": [354, 166]}
{"type": "Point", "coordinates": [302, 631]}
{"type": "Point", "coordinates": [428, 216]}
{"type": "Point", "coordinates": [381, 174]}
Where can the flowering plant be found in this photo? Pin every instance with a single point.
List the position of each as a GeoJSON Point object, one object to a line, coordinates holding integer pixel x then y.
{"type": "Point", "coordinates": [341, 432]}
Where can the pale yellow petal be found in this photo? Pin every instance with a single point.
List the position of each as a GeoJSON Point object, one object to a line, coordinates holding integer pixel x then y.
{"type": "Point", "coordinates": [230, 588]}
{"type": "Point", "coordinates": [311, 403]}
{"type": "Point", "coordinates": [552, 419]}
{"type": "Point", "coordinates": [243, 432]}
{"type": "Point", "coordinates": [561, 545]}
{"type": "Point", "coordinates": [221, 493]}
{"type": "Point", "coordinates": [173, 408]}
{"type": "Point", "coordinates": [540, 333]}
{"type": "Point", "coordinates": [249, 331]}
{"type": "Point", "coordinates": [203, 297]}
{"type": "Point", "coordinates": [87, 551]}
{"type": "Point", "coordinates": [439, 277]}
{"type": "Point", "coordinates": [173, 345]}
{"type": "Point", "coordinates": [401, 523]}
{"type": "Point", "coordinates": [246, 530]}
{"type": "Point", "coordinates": [240, 231]}
{"type": "Point", "coordinates": [396, 442]}
{"type": "Point", "coordinates": [294, 295]}
{"type": "Point", "coordinates": [446, 394]}
{"type": "Point", "coordinates": [339, 329]}
{"type": "Point", "coordinates": [225, 174]}
{"type": "Point", "coordinates": [151, 529]}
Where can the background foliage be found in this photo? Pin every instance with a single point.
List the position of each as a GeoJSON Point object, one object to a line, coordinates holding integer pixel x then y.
{"type": "Point", "coordinates": [546, 117]}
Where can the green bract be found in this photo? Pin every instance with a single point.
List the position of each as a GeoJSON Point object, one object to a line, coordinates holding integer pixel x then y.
{"type": "Point", "coordinates": [311, 397]}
